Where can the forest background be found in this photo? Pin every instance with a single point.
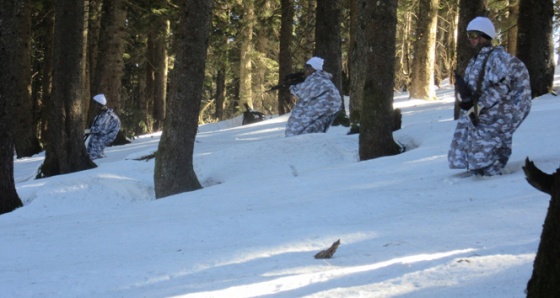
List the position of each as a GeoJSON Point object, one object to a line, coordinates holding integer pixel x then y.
{"type": "Point", "coordinates": [144, 55]}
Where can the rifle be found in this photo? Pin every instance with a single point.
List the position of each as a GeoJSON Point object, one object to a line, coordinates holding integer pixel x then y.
{"type": "Point", "coordinates": [474, 116]}
{"type": "Point", "coordinates": [290, 79]}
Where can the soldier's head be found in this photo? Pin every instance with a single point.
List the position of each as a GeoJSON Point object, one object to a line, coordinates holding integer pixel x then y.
{"type": "Point", "coordinates": [312, 65]}
{"type": "Point", "coordinates": [100, 101]}
{"type": "Point", "coordinates": [480, 32]}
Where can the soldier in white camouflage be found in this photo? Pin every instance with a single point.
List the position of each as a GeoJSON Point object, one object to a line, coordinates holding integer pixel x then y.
{"type": "Point", "coordinates": [104, 129]}
{"type": "Point", "coordinates": [318, 101]}
{"type": "Point", "coordinates": [492, 108]}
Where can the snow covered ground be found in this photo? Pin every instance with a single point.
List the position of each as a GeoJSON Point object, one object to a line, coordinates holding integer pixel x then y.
{"type": "Point", "coordinates": [408, 225]}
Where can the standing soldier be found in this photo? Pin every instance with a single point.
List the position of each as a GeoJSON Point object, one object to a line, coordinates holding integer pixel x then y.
{"type": "Point", "coordinates": [495, 99]}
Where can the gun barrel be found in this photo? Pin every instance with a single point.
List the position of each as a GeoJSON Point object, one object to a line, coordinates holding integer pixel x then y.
{"type": "Point", "coordinates": [275, 87]}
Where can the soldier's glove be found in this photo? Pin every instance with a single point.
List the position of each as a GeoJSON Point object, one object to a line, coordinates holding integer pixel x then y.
{"type": "Point", "coordinates": [463, 89]}
{"type": "Point", "coordinates": [87, 131]}
{"type": "Point", "coordinates": [466, 105]}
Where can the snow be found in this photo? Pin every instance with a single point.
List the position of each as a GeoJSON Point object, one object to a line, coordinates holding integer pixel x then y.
{"type": "Point", "coordinates": [409, 226]}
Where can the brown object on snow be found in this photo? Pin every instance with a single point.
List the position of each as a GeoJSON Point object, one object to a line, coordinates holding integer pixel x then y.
{"type": "Point", "coordinates": [328, 253]}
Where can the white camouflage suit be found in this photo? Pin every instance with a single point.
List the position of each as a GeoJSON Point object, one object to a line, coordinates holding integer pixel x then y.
{"type": "Point", "coordinates": [504, 103]}
{"type": "Point", "coordinates": [103, 131]}
{"type": "Point", "coordinates": [318, 102]}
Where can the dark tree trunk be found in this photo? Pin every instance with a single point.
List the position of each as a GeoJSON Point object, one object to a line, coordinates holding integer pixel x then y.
{"type": "Point", "coordinates": [160, 76]}
{"type": "Point", "coordinates": [376, 128]}
{"type": "Point", "coordinates": [359, 44]}
{"type": "Point", "coordinates": [9, 199]}
{"type": "Point", "coordinates": [147, 101]}
{"type": "Point", "coordinates": [468, 10]}
{"type": "Point", "coordinates": [534, 43]}
{"type": "Point", "coordinates": [174, 171]}
{"type": "Point", "coordinates": [328, 38]}
{"type": "Point", "coordinates": [66, 152]}
{"type": "Point", "coordinates": [94, 27]}
{"type": "Point", "coordinates": [220, 91]}
{"type": "Point", "coordinates": [109, 67]}
{"type": "Point", "coordinates": [285, 57]}
{"type": "Point", "coordinates": [86, 86]}
{"type": "Point", "coordinates": [46, 71]}
{"type": "Point", "coordinates": [26, 140]}
{"type": "Point", "coordinates": [221, 46]}
{"type": "Point", "coordinates": [157, 71]}
{"type": "Point", "coordinates": [545, 280]}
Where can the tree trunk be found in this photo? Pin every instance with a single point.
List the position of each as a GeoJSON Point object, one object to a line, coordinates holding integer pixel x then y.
{"type": "Point", "coordinates": [422, 84]}
{"type": "Point", "coordinates": [402, 71]}
{"type": "Point", "coordinates": [26, 140]}
{"type": "Point", "coordinates": [9, 199]}
{"type": "Point", "coordinates": [285, 104]}
{"type": "Point", "coordinates": [376, 128]}
{"type": "Point", "coordinates": [220, 91]}
{"type": "Point", "coordinates": [535, 46]}
{"type": "Point", "coordinates": [94, 28]}
{"type": "Point", "coordinates": [110, 65]}
{"type": "Point", "coordinates": [263, 42]}
{"type": "Point", "coordinates": [327, 39]}
{"type": "Point", "coordinates": [447, 42]}
{"type": "Point", "coordinates": [245, 63]}
{"type": "Point", "coordinates": [147, 103]}
{"type": "Point", "coordinates": [545, 280]}
{"type": "Point", "coordinates": [308, 24]}
{"type": "Point", "coordinates": [174, 171]}
{"type": "Point", "coordinates": [66, 152]}
{"type": "Point", "coordinates": [86, 89]}
{"type": "Point", "coordinates": [359, 45]}
{"type": "Point", "coordinates": [512, 32]}
{"type": "Point", "coordinates": [160, 74]}
{"type": "Point", "coordinates": [46, 71]}
{"type": "Point", "coordinates": [468, 10]}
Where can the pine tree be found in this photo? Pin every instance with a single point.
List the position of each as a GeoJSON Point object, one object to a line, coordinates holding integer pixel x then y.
{"type": "Point", "coordinates": [174, 171]}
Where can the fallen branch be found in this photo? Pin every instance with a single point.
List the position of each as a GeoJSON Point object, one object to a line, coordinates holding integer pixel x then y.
{"type": "Point", "coordinates": [146, 157]}
{"type": "Point", "coordinates": [328, 253]}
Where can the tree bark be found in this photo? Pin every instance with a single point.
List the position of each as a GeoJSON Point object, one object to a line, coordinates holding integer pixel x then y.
{"type": "Point", "coordinates": [160, 67]}
{"type": "Point", "coordinates": [376, 128]}
{"type": "Point", "coordinates": [220, 91]}
{"type": "Point", "coordinates": [9, 199]}
{"type": "Point", "coordinates": [423, 64]}
{"type": "Point", "coordinates": [147, 103]}
{"type": "Point", "coordinates": [447, 41]}
{"type": "Point", "coordinates": [26, 140]}
{"type": "Point", "coordinates": [545, 279]}
{"type": "Point", "coordinates": [109, 69]}
{"type": "Point", "coordinates": [534, 44]}
{"type": "Point", "coordinates": [328, 39]}
{"type": "Point", "coordinates": [246, 46]}
{"type": "Point", "coordinates": [359, 44]}
{"type": "Point", "coordinates": [512, 32]}
{"type": "Point", "coordinates": [468, 10]}
{"type": "Point", "coordinates": [94, 29]}
{"type": "Point", "coordinates": [174, 171]}
{"type": "Point", "coordinates": [66, 152]}
{"type": "Point", "coordinates": [46, 71]}
{"type": "Point", "coordinates": [285, 103]}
